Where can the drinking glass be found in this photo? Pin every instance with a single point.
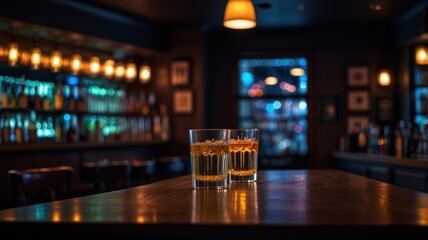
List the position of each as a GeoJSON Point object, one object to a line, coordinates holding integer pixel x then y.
{"type": "Point", "coordinates": [244, 149]}
{"type": "Point", "coordinates": [209, 153]}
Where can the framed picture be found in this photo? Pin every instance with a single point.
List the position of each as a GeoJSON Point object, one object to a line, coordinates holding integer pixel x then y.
{"type": "Point", "coordinates": [180, 72]}
{"type": "Point", "coordinates": [183, 101]}
{"type": "Point", "coordinates": [329, 109]}
{"type": "Point", "coordinates": [358, 76]}
{"type": "Point", "coordinates": [358, 101]}
{"type": "Point", "coordinates": [355, 122]}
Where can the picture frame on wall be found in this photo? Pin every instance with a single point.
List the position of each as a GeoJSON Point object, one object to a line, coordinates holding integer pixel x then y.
{"type": "Point", "coordinates": [183, 101]}
{"type": "Point", "coordinates": [358, 100]}
{"type": "Point", "coordinates": [355, 123]}
{"type": "Point", "coordinates": [180, 72]}
{"type": "Point", "coordinates": [358, 76]}
{"type": "Point", "coordinates": [329, 109]}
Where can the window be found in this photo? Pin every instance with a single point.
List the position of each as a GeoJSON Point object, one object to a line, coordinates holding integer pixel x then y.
{"type": "Point", "coordinates": [273, 97]}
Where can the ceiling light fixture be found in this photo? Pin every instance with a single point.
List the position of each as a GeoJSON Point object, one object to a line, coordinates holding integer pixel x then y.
{"type": "Point", "coordinates": [239, 14]}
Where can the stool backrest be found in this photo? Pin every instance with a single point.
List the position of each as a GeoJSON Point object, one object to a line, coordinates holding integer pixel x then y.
{"type": "Point", "coordinates": [36, 185]}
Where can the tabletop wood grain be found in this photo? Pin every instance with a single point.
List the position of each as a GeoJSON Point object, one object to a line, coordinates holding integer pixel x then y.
{"type": "Point", "coordinates": [282, 203]}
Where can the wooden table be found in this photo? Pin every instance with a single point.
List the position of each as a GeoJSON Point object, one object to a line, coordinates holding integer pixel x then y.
{"type": "Point", "coordinates": [283, 204]}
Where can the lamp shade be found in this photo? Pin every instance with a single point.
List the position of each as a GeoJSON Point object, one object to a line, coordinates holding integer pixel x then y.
{"type": "Point", "coordinates": [239, 14]}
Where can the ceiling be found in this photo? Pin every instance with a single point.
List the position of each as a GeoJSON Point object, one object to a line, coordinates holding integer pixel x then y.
{"type": "Point", "coordinates": [271, 14]}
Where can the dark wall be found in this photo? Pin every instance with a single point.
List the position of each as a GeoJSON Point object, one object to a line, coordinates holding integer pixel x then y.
{"type": "Point", "coordinates": [329, 51]}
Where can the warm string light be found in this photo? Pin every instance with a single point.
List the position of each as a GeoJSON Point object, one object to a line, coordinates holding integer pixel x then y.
{"type": "Point", "coordinates": [76, 63]}
{"type": "Point", "coordinates": [108, 68]}
{"type": "Point", "coordinates": [145, 73]}
{"type": "Point", "coordinates": [13, 52]}
{"type": "Point", "coordinates": [36, 57]}
{"type": "Point", "coordinates": [131, 72]}
{"type": "Point", "coordinates": [55, 61]}
{"type": "Point", "coordinates": [119, 72]}
{"type": "Point", "coordinates": [94, 65]}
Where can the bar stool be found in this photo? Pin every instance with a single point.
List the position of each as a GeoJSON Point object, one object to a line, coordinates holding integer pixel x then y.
{"type": "Point", "coordinates": [169, 167]}
{"type": "Point", "coordinates": [142, 171]}
{"type": "Point", "coordinates": [36, 185]}
{"type": "Point", "coordinates": [106, 175]}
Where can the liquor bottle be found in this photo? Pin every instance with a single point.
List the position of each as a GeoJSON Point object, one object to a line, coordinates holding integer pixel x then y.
{"type": "Point", "coordinates": [58, 129]}
{"type": "Point", "coordinates": [6, 130]}
{"type": "Point", "coordinates": [363, 139]}
{"type": "Point", "coordinates": [12, 98]}
{"type": "Point", "coordinates": [32, 129]}
{"type": "Point", "coordinates": [139, 102]}
{"type": "Point", "coordinates": [37, 101]}
{"type": "Point", "coordinates": [164, 122]}
{"type": "Point", "coordinates": [98, 132]}
{"type": "Point", "coordinates": [72, 135]}
{"type": "Point", "coordinates": [59, 98]}
{"type": "Point", "coordinates": [80, 100]}
{"type": "Point", "coordinates": [131, 103]}
{"type": "Point", "coordinates": [47, 100]}
{"type": "Point", "coordinates": [4, 96]}
{"type": "Point", "coordinates": [71, 101]}
{"type": "Point", "coordinates": [22, 97]}
{"type": "Point", "coordinates": [156, 125]}
{"type": "Point", "coordinates": [19, 130]}
{"type": "Point", "coordinates": [384, 142]}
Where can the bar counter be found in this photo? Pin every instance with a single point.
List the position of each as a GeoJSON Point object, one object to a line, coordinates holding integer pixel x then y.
{"type": "Point", "coordinates": [283, 204]}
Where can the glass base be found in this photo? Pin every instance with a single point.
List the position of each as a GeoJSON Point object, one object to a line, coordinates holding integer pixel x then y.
{"type": "Point", "coordinates": [215, 185]}
{"type": "Point", "coordinates": [238, 178]}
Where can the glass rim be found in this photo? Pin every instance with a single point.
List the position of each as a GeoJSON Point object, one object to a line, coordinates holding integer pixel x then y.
{"type": "Point", "coordinates": [207, 129]}
{"type": "Point", "coordinates": [244, 129]}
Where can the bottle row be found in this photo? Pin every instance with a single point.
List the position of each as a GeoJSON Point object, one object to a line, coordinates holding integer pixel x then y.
{"type": "Point", "coordinates": [407, 140]}
{"type": "Point", "coordinates": [88, 96]}
{"type": "Point", "coordinates": [34, 128]}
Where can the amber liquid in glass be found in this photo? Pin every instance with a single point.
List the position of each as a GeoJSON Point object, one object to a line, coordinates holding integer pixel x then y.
{"type": "Point", "coordinates": [243, 160]}
{"type": "Point", "coordinates": [209, 165]}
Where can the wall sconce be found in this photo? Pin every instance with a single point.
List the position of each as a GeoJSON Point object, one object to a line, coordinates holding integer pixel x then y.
{"type": "Point", "coordinates": [384, 78]}
{"type": "Point", "coordinates": [119, 72]}
{"type": "Point", "coordinates": [36, 57]}
{"type": "Point", "coordinates": [56, 60]}
{"type": "Point", "coordinates": [131, 72]}
{"type": "Point", "coordinates": [239, 14]}
{"type": "Point", "coordinates": [108, 68]}
{"type": "Point", "coordinates": [13, 52]}
{"type": "Point", "coordinates": [145, 73]}
{"type": "Point", "coordinates": [421, 55]}
{"type": "Point", "coordinates": [94, 65]}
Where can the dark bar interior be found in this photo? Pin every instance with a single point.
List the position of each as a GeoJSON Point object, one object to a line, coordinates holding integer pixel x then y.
{"type": "Point", "coordinates": [97, 98]}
